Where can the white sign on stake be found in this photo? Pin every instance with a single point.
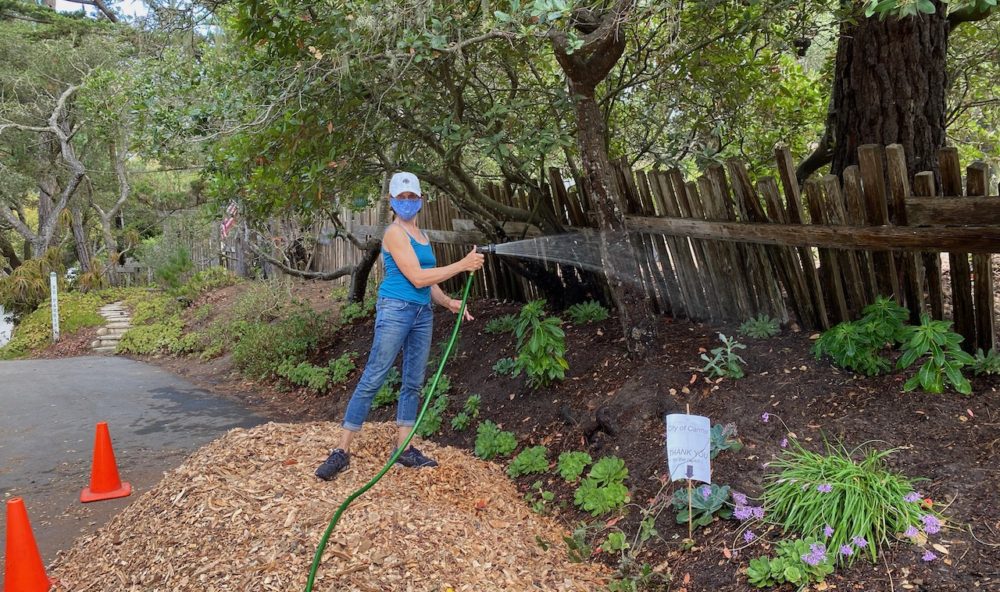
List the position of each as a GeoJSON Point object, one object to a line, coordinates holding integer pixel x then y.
{"type": "Point", "coordinates": [54, 290]}
{"type": "Point", "coordinates": [689, 445]}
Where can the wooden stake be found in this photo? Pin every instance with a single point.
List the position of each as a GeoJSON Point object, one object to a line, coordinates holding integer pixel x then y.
{"type": "Point", "coordinates": [690, 509]}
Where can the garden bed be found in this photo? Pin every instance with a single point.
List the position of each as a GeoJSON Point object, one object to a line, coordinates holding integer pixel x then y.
{"type": "Point", "coordinates": [949, 439]}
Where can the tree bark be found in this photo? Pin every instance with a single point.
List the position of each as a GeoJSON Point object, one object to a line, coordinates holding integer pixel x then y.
{"type": "Point", "coordinates": [80, 239]}
{"type": "Point", "coordinates": [586, 67]}
{"type": "Point", "coordinates": [889, 87]}
{"type": "Point", "coordinates": [12, 261]}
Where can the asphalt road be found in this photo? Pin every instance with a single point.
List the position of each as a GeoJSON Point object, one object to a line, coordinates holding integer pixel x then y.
{"type": "Point", "coordinates": [48, 413]}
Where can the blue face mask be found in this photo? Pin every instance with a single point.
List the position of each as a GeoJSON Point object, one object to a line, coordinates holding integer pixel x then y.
{"type": "Point", "coordinates": [406, 209]}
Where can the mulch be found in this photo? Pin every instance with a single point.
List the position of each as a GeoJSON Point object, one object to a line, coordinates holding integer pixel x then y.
{"type": "Point", "coordinates": [246, 513]}
{"type": "Point", "coordinates": [950, 440]}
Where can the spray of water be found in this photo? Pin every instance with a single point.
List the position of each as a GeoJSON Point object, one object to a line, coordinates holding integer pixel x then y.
{"type": "Point", "coordinates": [609, 254]}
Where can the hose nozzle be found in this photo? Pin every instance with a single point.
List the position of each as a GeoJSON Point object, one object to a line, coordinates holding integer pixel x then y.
{"type": "Point", "coordinates": [487, 249]}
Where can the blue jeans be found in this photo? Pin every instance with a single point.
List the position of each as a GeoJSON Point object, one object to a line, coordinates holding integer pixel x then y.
{"type": "Point", "coordinates": [398, 325]}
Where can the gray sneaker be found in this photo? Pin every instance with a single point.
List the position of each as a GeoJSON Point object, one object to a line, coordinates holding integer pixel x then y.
{"type": "Point", "coordinates": [415, 459]}
{"type": "Point", "coordinates": [334, 464]}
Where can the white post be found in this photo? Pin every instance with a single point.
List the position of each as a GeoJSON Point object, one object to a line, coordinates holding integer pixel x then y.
{"type": "Point", "coordinates": [53, 287]}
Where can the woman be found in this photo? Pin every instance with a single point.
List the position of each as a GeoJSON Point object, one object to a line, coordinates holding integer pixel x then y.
{"type": "Point", "coordinates": [403, 321]}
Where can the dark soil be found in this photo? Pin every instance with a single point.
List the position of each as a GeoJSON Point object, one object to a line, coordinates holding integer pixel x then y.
{"type": "Point", "coordinates": [950, 440]}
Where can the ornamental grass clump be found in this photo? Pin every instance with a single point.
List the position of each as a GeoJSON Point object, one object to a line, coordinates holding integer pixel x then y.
{"type": "Point", "coordinates": [854, 507]}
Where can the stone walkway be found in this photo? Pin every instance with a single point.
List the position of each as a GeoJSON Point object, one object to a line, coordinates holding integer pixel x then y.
{"type": "Point", "coordinates": [108, 336]}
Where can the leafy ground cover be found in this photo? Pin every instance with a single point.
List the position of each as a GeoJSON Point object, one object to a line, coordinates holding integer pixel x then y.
{"type": "Point", "coordinates": [949, 439]}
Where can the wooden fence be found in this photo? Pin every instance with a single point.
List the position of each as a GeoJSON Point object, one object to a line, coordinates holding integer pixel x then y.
{"type": "Point", "coordinates": [725, 248]}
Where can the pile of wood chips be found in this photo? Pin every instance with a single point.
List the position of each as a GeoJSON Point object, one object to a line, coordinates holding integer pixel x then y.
{"type": "Point", "coordinates": [247, 513]}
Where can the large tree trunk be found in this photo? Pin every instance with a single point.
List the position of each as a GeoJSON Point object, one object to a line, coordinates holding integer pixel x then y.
{"type": "Point", "coordinates": [586, 67]}
{"type": "Point", "coordinates": [11, 260]}
{"type": "Point", "coordinates": [889, 87]}
{"type": "Point", "coordinates": [80, 239]}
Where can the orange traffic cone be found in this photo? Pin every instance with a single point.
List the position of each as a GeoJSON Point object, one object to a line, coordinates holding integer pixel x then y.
{"type": "Point", "coordinates": [24, 569]}
{"type": "Point", "coordinates": [104, 481]}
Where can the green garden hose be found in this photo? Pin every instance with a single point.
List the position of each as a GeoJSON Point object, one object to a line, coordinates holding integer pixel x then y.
{"type": "Point", "coordinates": [434, 382]}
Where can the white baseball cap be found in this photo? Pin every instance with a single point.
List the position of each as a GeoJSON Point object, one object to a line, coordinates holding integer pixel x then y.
{"type": "Point", "coordinates": [403, 182]}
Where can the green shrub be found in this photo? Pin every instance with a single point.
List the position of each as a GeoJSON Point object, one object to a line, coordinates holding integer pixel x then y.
{"type": "Point", "coordinates": [27, 287]}
{"type": "Point", "coordinates": [263, 302]}
{"type": "Point", "coordinates": [538, 498]}
{"type": "Point", "coordinates": [856, 499]}
{"type": "Point", "coordinates": [316, 378]}
{"type": "Point", "coordinates": [261, 348]}
{"type": "Point", "coordinates": [587, 312]}
{"type": "Point", "coordinates": [506, 367]}
{"type": "Point", "coordinates": [341, 367]}
{"type": "Point", "coordinates": [858, 345]}
{"type": "Point", "coordinates": [986, 363]}
{"type": "Point", "coordinates": [431, 423]}
{"type": "Point", "coordinates": [387, 393]}
{"type": "Point", "coordinates": [885, 319]}
{"type": "Point", "coordinates": [160, 337]}
{"type": "Point", "coordinates": [529, 461]}
{"type": "Point", "coordinates": [501, 324]}
{"type": "Point", "coordinates": [603, 490]}
{"type": "Point", "coordinates": [541, 346]}
{"type": "Point", "coordinates": [572, 464]}
{"type": "Point", "coordinates": [723, 437]}
{"type": "Point", "coordinates": [471, 407]}
{"type": "Point", "coordinates": [491, 441]}
{"type": "Point", "coordinates": [615, 543]}
{"type": "Point", "coordinates": [760, 327]}
{"type": "Point", "coordinates": [946, 358]}
{"type": "Point", "coordinates": [707, 501]}
{"type": "Point", "coordinates": [725, 361]}
{"type": "Point", "coordinates": [461, 421]}
{"type": "Point", "coordinates": [172, 273]}
{"type": "Point", "coordinates": [470, 410]}
{"type": "Point", "coordinates": [789, 566]}
{"type": "Point", "coordinates": [357, 310]}
{"type": "Point", "coordinates": [206, 280]}
{"type": "Point", "coordinates": [852, 346]}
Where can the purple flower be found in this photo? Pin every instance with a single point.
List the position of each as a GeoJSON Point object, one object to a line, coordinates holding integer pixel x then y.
{"type": "Point", "coordinates": [846, 550]}
{"type": "Point", "coordinates": [928, 556]}
{"type": "Point", "coordinates": [739, 498]}
{"type": "Point", "coordinates": [931, 524]}
{"type": "Point", "coordinates": [743, 512]}
{"type": "Point", "coordinates": [784, 442]}
{"type": "Point", "coordinates": [812, 559]}
{"type": "Point", "coordinates": [758, 512]}
{"type": "Point", "coordinates": [828, 531]}
{"type": "Point", "coordinates": [816, 554]}
{"type": "Point", "coordinates": [749, 536]}
{"type": "Point", "coordinates": [764, 417]}
{"type": "Point", "coordinates": [913, 496]}
{"type": "Point", "coordinates": [705, 491]}
{"type": "Point", "coordinates": [824, 488]}
{"type": "Point", "coordinates": [860, 542]}
{"type": "Point", "coordinates": [911, 531]}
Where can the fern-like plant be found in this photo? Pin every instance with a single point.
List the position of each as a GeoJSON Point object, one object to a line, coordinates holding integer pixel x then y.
{"type": "Point", "coordinates": [760, 327]}
{"type": "Point", "coordinates": [587, 312]}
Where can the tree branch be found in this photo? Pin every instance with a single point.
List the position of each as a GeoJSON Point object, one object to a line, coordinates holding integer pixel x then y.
{"type": "Point", "coordinates": [99, 5]}
{"type": "Point", "coordinates": [969, 14]}
{"type": "Point", "coordinates": [309, 275]}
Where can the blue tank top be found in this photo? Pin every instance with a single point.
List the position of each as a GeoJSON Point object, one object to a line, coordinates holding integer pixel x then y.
{"type": "Point", "coordinates": [395, 285]}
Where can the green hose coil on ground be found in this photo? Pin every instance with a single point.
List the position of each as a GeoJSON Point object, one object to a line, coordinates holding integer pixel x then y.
{"type": "Point", "coordinates": [392, 460]}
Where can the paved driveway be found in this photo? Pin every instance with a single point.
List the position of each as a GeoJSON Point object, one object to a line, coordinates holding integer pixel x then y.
{"type": "Point", "coordinates": [48, 410]}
